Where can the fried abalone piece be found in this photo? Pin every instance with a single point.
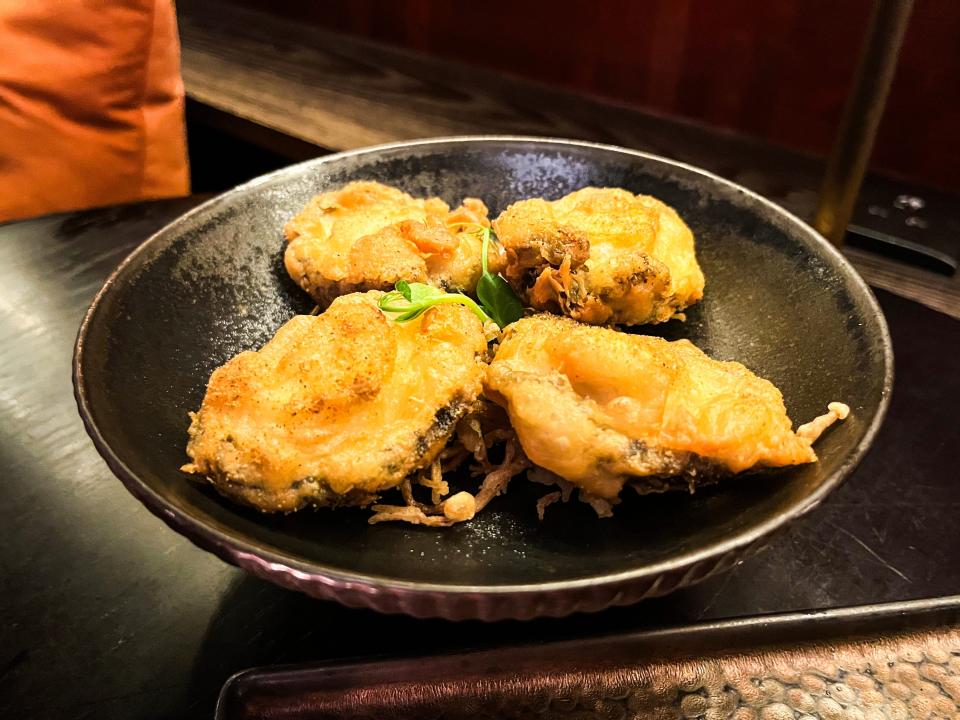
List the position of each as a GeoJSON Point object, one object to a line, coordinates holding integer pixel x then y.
{"type": "Point", "coordinates": [601, 256]}
{"type": "Point", "coordinates": [367, 236]}
{"type": "Point", "coordinates": [339, 407]}
{"type": "Point", "coordinates": [601, 408]}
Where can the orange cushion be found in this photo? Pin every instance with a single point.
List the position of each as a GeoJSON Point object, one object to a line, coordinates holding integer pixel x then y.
{"type": "Point", "coordinates": [91, 105]}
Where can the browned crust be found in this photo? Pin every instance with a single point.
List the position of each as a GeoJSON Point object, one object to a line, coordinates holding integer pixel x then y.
{"type": "Point", "coordinates": [315, 492]}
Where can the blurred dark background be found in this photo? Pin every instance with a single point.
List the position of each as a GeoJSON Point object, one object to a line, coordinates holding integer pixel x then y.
{"type": "Point", "coordinates": [778, 71]}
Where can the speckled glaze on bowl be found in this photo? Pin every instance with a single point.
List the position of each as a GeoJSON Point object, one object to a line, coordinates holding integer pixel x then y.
{"type": "Point", "coordinates": [778, 298]}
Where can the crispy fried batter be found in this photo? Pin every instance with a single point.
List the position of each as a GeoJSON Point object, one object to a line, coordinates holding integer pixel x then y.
{"type": "Point", "coordinates": [339, 407]}
{"type": "Point", "coordinates": [367, 236]}
{"type": "Point", "coordinates": [601, 256]}
{"type": "Point", "coordinates": [601, 408]}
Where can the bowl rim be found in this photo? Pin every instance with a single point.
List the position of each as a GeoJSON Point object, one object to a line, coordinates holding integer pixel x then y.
{"type": "Point", "coordinates": [228, 546]}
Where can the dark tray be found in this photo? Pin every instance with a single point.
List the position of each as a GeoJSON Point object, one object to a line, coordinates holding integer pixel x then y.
{"type": "Point", "coordinates": [892, 660]}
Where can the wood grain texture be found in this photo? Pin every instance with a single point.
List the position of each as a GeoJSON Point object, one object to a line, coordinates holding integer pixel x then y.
{"type": "Point", "coordinates": [776, 71]}
{"type": "Point", "coordinates": [935, 291]}
{"type": "Point", "coordinates": [340, 93]}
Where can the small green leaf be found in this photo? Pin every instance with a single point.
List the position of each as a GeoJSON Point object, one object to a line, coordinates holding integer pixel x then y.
{"type": "Point", "coordinates": [495, 293]}
{"type": "Point", "coordinates": [499, 300]}
{"type": "Point", "coordinates": [421, 292]}
{"type": "Point", "coordinates": [411, 300]}
{"type": "Point", "coordinates": [393, 301]}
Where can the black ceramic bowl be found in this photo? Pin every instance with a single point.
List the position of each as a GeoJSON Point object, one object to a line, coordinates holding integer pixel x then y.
{"type": "Point", "coordinates": [778, 298]}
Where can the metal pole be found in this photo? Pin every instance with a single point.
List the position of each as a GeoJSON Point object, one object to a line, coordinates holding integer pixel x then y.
{"type": "Point", "coordinates": [861, 117]}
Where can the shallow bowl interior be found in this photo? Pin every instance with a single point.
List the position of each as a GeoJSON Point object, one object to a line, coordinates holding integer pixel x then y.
{"type": "Point", "coordinates": [211, 284]}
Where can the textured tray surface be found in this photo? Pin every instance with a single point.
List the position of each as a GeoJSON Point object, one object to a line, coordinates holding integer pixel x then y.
{"type": "Point", "coordinates": [752, 670]}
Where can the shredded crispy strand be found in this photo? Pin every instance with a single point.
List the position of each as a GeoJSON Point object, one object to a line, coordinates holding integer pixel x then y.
{"type": "Point", "coordinates": [603, 508]}
{"type": "Point", "coordinates": [496, 481]}
{"type": "Point", "coordinates": [545, 290]}
{"type": "Point", "coordinates": [438, 486]}
{"type": "Point", "coordinates": [454, 459]}
{"type": "Point", "coordinates": [462, 506]}
{"type": "Point", "coordinates": [471, 436]}
{"type": "Point", "coordinates": [406, 489]}
{"type": "Point", "coordinates": [495, 436]}
{"type": "Point", "coordinates": [406, 513]}
{"type": "Point", "coordinates": [815, 428]}
{"type": "Point", "coordinates": [545, 477]}
{"type": "Point", "coordinates": [545, 501]}
{"type": "Point", "coordinates": [541, 476]}
{"type": "Point", "coordinates": [436, 478]}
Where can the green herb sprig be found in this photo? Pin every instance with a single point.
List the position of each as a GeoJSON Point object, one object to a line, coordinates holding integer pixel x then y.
{"type": "Point", "coordinates": [494, 293]}
{"type": "Point", "coordinates": [411, 300]}
{"type": "Point", "coordinates": [498, 302]}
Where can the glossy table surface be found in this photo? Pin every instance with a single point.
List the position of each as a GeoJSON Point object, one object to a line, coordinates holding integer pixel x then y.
{"type": "Point", "coordinates": [107, 613]}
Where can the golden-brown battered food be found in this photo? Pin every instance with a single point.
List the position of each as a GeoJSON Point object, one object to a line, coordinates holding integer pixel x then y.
{"type": "Point", "coordinates": [368, 236]}
{"type": "Point", "coordinates": [601, 408]}
{"type": "Point", "coordinates": [339, 407]}
{"type": "Point", "coordinates": [601, 256]}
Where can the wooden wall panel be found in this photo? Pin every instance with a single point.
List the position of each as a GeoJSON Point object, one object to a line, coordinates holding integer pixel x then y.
{"type": "Point", "coordinates": [776, 70]}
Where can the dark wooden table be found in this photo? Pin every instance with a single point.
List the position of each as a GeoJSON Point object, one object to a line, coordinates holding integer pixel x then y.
{"type": "Point", "coordinates": [107, 613]}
